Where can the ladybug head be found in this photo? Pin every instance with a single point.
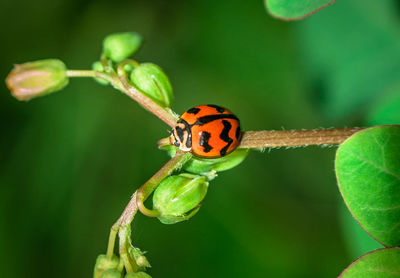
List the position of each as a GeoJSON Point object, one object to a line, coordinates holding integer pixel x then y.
{"type": "Point", "coordinates": [181, 136]}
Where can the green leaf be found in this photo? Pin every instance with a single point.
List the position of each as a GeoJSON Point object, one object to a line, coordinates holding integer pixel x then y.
{"type": "Point", "coordinates": [382, 263]}
{"type": "Point", "coordinates": [295, 9]}
{"type": "Point", "coordinates": [357, 240]}
{"type": "Point", "coordinates": [352, 52]}
{"type": "Point", "coordinates": [368, 172]}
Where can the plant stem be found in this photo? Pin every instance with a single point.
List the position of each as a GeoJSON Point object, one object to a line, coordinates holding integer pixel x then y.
{"type": "Point", "coordinates": [137, 199]}
{"type": "Point", "coordinates": [288, 138]}
{"type": "Point", "coordinates": [120, 82]}
{"type": "Point", "coordinates": [177, 161]}
{"type": "Point", "coordinates": [81, 73]}
{"type": "Point", "coordinates": [167, 116]}
{"type": "Point", "coordinates": [89, 73]}
{"type": "Point", "coordinates": [111, 241]}
{"type": "Point", "coordinates": [295, 138]}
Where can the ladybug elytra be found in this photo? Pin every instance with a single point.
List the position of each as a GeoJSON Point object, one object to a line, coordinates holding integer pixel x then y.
{"type": "Point", "coordinates": [208, 131]}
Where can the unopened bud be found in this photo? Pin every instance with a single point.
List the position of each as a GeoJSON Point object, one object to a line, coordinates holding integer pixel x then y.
{"type": "Point", "coordinates": [120, 46]}
{"type": "Point", "coordinates": [104, 263]}
{"type": "Point", "coordinates": [38, 78]}
{"type": "Point", "coordinates": [178, 197]}
{"type": "Point", "coordinates": [139, 257]}
{"type": "Point", "coordinates": [137, 275]}
{"type": "Point", "coordinates": [97, 66]}
{"type": "Point", "coordinates": [111, 273]}
{"type": "Point", "coordinates": [151, 80]}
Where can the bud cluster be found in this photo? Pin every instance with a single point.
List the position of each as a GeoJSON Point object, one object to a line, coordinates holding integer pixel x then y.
{"type": "Point", "coordinates": [179, 196]}
{"type": "Point", "coordinates": [110, 267]}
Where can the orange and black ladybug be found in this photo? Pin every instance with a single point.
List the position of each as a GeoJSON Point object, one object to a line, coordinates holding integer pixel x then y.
{"type": "Point", "coordinates": [208, 131]}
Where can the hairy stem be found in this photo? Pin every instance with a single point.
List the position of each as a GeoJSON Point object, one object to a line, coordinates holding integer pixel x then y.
{"type": "Point", "coordinates": [165, 115]}
{"type": "Point", "coordinates": [295, 138]}
{"type": "Point", "coordinates": [288, 138]}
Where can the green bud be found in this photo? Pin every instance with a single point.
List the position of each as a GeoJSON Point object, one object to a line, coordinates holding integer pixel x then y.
{"type": "Point", "coordinates": [103, 263]}
{"type": "Point", "coordinates": [138, 275]}
{"type": "Point", "coordinates": [151, 80]}
{"type": "Point", "coordinates": [120, 46]}
{"type": "Point", "coordinates": [139, 257]}
{"type": "Point", "coordinates": [97, 66]}
{"type": "Point", "coordinates": [178, 197]}
{"type": "Point", "coordinates": [204, 166]}
{"type": "Point", "coordinates": [38, 78]}
{"type": "Point", "coordinates": [111, 273]}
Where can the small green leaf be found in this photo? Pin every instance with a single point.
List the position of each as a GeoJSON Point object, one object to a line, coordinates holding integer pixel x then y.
{"type": "Point", "coordinates": [295, 9]}
{"type": "Point", "coordinates": [382, 263]}
{"type": "Point", "coordinates": [368, 172]}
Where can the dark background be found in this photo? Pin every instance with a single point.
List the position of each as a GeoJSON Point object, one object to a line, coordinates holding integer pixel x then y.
{"type": "Point", "coordinates": [70, 161]}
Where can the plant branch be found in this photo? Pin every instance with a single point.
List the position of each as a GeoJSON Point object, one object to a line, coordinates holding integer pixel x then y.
{"type": "Point", "coordinates": [295, 138]}
{"type": "Point", "coordinates": [176, 162]}
{"type": "Point", "coordinates": [167, 116]}
{"type": "Point", "coordinates": [140, 195]}
{"type": "Point", "coordinates": [89, 73]}
{"type": "Point", "coordinates": [288, 138]}
{"type": "Point", "coordinates": [81, 73]}
{"type": "Point", "coordinates": [120, 82]}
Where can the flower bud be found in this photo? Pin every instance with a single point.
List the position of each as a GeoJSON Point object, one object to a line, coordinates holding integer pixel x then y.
{"type": "Point", "coordinates": [139, 257]}
{"type": "Point", "coordinates": [138, 275]}
{"type": "Point", "coordinates": [97, 66]}
{"type": "Point", "coordinates": [38, 78]}
{"type": "Point", "coordinates": [103, 263]}
{"type": "Point", "coordinates": [151, 80]}
{"type": "Point", "coordinates": [111, 273]}
{"type": "Point", "coordinates": [120, 46]}
{"type": "Point", "coordinates": [178, 197]}
{"type": "Point", "coordinates": [204, 166]}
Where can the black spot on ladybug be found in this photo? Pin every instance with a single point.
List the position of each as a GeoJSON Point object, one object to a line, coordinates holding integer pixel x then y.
{"type": "Point", "coordinates": [205, 136]}
{"type": "Point", "coordinates": [189, 140]}
{"type": "Point", "coordinates": [225, 136]}
{"type": "Point", "coordinates": [209, 118]}
{"type": "Point", "coordinates": [179, 132]}
{"type": "Point", "coordinates": [237, 133]}
{"type": "Point", "coordinates": [218, 108]}
{"type": "Point", "coordinates": [193, 110]}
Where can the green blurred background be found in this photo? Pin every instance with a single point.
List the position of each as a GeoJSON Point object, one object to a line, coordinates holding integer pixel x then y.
{"type": "Point", "coordinates": [69, 162]}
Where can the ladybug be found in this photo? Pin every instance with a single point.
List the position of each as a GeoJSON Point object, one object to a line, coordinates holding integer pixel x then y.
{"type": "Point", "coordinates": [208, 131]}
